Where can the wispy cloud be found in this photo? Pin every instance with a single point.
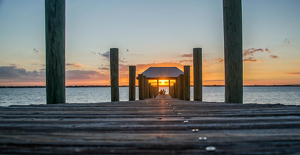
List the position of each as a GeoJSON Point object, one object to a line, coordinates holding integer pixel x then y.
{"type": "Point", "coordinates": [187, 60]}
{"type": "Point", "coordinates": [105, 55]}
{"type": "Point", "coordinates": [294, 73]}
{"type": "Point", "coordinates": [186, 55]}
{"type": "Point", "coordinates": [273, 56]}
{"type": "Point", "coordinates": [286, 40]}
{"type": "Point", "coordinates": [219, 60]}
{"type": "Point", "coordinates": [82, 74]}
{"type": "Point", "coordinates": [76, 65]}
{"type": "Point", "coordinates": [104, 68]}
{"type": "Point", "coordinates": [251, 59]}
{"type": "Point", "coordinates": [251, 51]}
{"type": "Point", "coordinates": [35, 50]}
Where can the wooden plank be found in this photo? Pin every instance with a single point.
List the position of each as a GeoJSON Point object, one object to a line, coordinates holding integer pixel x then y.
{"type": "Point", "coordinates": [155, 126]}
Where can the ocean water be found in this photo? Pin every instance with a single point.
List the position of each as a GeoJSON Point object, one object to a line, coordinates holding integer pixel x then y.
{"type": "Point", "coordinates": [261, 95]}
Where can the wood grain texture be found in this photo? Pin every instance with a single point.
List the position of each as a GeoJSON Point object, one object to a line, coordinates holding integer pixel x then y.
{"type": "Point", "coordinates": [151, 126]}
{"type": "Point", "coordinates": [187, 85]}
{"type": "Point", "coordinates": [55, 51]}
{"type": "Point", "coordinates": [114, 74]}
{"type": "Point", "coordinates": [132, 74]}
{"type": "Point", "coordinates": [233, 50]}
{"type": "Point", "coordinates": [197, 62]}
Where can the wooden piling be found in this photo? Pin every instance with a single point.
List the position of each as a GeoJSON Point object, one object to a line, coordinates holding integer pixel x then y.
{"type": "Point", "coordinates": [157, 86]}
{"type": "Point", "coordinates": [180, 87]}
{"type": "Point", "coordinates": [132, 74]}
{"type": "Point", "coordinates": [233, 51]}
{"type": "Point", "coordinates": [141, 86]}
{"type": "Point", "coordinates": [187, 85]}
{"type": "Point", "coordinates": [175, 90]}
{"type": "Point", "coordinates": [148, 89]}
{"type": "Point", "coordinates": [55, 51]}
{"type": "Point", "coordinates": [114, 74]}
{"type": "Point", "coordinates": [197, 59]}
{"type": "Point", "coordinates": [145, 87]}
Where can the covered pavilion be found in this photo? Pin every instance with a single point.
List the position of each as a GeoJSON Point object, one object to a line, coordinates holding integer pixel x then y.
{"type": "Point", "coordinates": [162, 73]}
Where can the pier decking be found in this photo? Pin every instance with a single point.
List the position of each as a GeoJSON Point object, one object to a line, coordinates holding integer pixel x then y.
{"type": "Point", "coordinates": [152, 126]}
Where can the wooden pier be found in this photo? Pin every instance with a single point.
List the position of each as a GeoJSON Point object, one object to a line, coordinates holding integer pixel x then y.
{"type": "Point", "coordinates": [150, 126]}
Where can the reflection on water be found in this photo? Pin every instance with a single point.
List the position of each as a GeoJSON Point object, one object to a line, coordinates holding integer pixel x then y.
{"type": "Point", "coordinates": [26, 96]}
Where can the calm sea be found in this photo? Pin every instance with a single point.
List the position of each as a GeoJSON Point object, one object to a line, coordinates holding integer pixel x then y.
{"type": "Point", "coordinates": [261, 95]}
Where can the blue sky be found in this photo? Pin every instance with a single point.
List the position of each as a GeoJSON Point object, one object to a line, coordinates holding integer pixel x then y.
{"type": "Point", "coordinates": [150, 33]}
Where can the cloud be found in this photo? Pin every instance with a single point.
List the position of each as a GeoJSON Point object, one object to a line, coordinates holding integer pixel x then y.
{"type": "Point", "coordinates": [12, 72]}
{"type": "Point", "coordinates": [186, 55]}
{"type": "Point", "coordinates": [251, 59]}
{"type": "Point", "coordinates": [251, 51]}
{"type": "Point", "coordinates": [297, 61]}
{"type": "Point", "coordinates": [93, 52]}
{"type": "Point", "coordinates": [294, 73]}
{"type": "Point", "coordinates": [76, 65]}
{"type": "Point", "coordinates": [273, 56]}
{"type": "Point", "coordinates": [187, 60]}
{"type": "Point", "coordinates": [105, 55]}
{"type": "Point", "coordinates": [35, 50]}
{"type": "Point", "coordinates": [219, 59]}
{"type": "Point", "coordinates": [104, 68]}
{"type": "Point", "coordinates": [286, 40]}
{"type": "Point", "coordinates": [82, 74]}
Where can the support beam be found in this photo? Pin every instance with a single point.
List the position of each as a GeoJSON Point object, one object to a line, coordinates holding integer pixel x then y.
{"type": "Point", "coordinates": [151, 91]}
{"type": "Point", "coordinates": [141, 86]}
{"type": "Point", "coordinates": [132, 74]}
{"type": "Point", "coordinates": [233, 51]}
{"type": "Point", "coordinates": [197, 59]}
{"type": "Point", "coordinates": [114, 74]}
{"type": "Point", "coordinates": [55, 51]}
{"type": "Point", "coordinates": [187, 85]}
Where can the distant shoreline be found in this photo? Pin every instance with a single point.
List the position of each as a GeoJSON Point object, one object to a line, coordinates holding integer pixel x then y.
{"type": "Point", "coordinates": [296, 85]}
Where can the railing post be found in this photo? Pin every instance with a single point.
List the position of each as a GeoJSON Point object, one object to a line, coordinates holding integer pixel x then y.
{"type": "Point", "coordinates": [132, 74]}
{"type": "Point", "coordinates": [55, 51]}
{"type": "Point", "coordinates": [187, 85]}
{"type": "Point", "coordinates": [197, 59]}
{"type": "Point", "coordinates": [233, 50]}
{"type": "Point", "coordinates": [114, 74]}
{"type": "Point", "coordinates": [180, 87]}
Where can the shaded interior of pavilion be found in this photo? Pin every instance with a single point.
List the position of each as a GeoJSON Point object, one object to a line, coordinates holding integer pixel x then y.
{"type": "Point", "coordinates": [162, 78]}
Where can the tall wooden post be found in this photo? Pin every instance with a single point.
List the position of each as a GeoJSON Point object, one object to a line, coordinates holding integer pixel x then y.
{"type": "Point", "coordinates": [132, 73]}
{"type": "Point", "coordinates": [55, 51]}
{"type": "Point", "coordinates": [197, 59]}
{"type": "Point", "coordinates": [114, 74]}
{"type": "Point", "coordinates": [187, 85]}
{"type": "Point", "coordinates": [233, 51]}
{"type": "Point", "coordinates": [180, 87]}
{"type": "Point", "coordinates": [141, 86]}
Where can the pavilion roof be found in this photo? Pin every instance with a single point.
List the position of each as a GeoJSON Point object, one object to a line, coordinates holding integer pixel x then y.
{"type": "Point", "coordinates": [162, 72]}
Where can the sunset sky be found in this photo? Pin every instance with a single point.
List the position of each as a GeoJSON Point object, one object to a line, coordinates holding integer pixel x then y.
{"type": "Point", "coordinates": [150, 33]}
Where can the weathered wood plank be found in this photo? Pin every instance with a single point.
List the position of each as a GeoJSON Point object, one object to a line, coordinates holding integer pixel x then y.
{"type": "Point", "coordinates": [150, 126]}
